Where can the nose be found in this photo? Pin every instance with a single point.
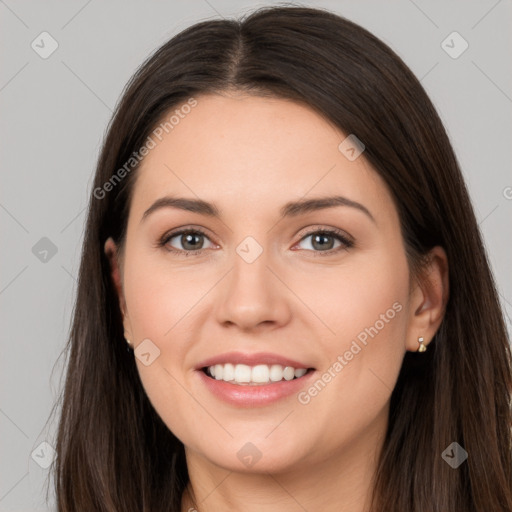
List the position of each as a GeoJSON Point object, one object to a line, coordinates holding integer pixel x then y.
{"type": "Point", "coordinates": [254, 294]}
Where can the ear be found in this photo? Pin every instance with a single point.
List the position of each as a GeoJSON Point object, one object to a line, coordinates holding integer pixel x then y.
{"type": "Point", "coordinates": [428, 300]}
{"type": "Point", "coordinates": [112, 254]}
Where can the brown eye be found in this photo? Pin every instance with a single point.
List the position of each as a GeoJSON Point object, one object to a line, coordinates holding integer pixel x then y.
{"type": "Point", "coordinates": [186, 241]}
{"type": "Point", "coordinates": [323, 241]}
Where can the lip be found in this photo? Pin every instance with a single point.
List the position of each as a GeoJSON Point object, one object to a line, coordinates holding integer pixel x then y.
{"type": "Point", "coordinates": [252, 395]}
{"type": "Point", "coordinates": [251, 360]}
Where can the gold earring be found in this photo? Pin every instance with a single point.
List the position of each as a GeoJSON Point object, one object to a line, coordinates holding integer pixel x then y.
{"type": "Point", "coordinates": [422, 347]}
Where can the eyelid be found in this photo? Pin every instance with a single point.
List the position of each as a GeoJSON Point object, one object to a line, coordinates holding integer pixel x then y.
{"type": "Point", "coordinates": [346, 240]}
{"type": "Point", "coordinates": [168, 235]}
{"type": "Point", "coordinates": [322, 228]}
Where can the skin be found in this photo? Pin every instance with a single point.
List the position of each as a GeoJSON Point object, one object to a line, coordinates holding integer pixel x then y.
{"type": "Point", "coordinates": [250, 155]}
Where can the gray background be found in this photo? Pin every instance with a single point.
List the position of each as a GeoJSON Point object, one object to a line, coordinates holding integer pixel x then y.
{"type": "Point", "coordinates": [55, 112]}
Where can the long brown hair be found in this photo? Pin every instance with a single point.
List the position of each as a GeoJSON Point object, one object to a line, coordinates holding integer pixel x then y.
{"type": "Point", "coordinates": [114, 453]}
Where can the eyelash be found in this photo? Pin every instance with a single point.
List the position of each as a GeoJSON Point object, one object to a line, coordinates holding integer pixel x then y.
{"type": "Point", "coordinates": [338, 234]}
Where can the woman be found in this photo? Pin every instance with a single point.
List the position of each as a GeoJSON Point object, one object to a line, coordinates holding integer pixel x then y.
{"type": "Point", "coordinates": [280, 234]}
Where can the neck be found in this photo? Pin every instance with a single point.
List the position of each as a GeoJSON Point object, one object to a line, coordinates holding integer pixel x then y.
{"type": "Point", "coordinates": [340, 482]}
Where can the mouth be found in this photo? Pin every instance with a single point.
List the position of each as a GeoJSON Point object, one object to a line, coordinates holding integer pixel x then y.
{"type": "Point", "coordinates": [257, 375]}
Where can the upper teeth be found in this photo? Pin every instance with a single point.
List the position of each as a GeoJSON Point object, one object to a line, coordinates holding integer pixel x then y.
{"type": "Point", "coordinates": [261, 373]}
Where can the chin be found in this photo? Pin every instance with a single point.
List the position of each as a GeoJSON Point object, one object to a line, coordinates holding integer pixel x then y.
{"type": "Point", "coordinates": [259, 456]}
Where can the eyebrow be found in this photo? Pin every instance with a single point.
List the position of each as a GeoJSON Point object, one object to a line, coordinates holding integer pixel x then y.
{"type": "Point", "coordinates": [290, 209]}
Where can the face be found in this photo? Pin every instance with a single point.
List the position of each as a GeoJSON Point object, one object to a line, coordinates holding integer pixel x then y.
{"type": "Point", "coordinates": [320, 289]}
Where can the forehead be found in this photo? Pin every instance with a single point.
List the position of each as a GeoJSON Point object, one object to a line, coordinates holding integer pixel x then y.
{"type": "Point", "coordinates": [264, 150]}
{"type": "Point", "coordinates": [247, 131]}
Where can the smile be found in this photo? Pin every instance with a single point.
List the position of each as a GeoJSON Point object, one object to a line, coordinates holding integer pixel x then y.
{"type": "Point", "coordinates": [242, 374]}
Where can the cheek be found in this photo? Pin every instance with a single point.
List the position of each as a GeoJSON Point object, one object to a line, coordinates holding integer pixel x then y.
{"type": "Point", "coordinates": [159, 306]}
{"type": "Point", "coordinates": [373, 306]}
{"type": "Point", "coordinates": [364, 298]}
{"type": "Point", "coordinates": [159, 296]}
{"type": "Point", "coordinates": [370, 322]}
